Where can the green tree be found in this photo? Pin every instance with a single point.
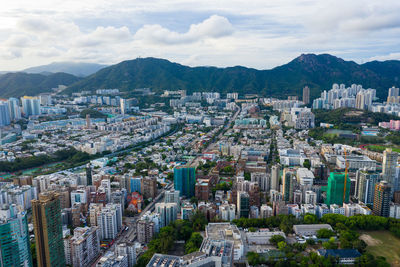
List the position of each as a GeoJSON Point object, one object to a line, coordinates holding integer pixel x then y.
{"type": "Point", "coordinates": [325, 233]}
{"type": "Point", "coordinates": [282, 245]}
{"type": "Point", "coordinates": [275, 239]}
{"type": "Point", "coordinates": [307, 164]}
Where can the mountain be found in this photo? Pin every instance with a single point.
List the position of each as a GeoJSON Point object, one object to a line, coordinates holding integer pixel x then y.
{"type": "Point", "coordinates": [319, 72]}
{"type": "Point", "coordinates": [19, 83]}
{"type": "Point", "coordinates": [74, 68]}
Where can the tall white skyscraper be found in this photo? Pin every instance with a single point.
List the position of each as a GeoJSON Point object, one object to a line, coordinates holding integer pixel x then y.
{"type": "Point", "coordinates": [123, 105]}
{"type": "Point", "coordinates": [275, 174]}
{"type": "Point", "coordinates": [389, 165]}
{"type": "Point", "coordinates": [109, 220]}
{"type": "Point", "coordinates": [168, 213]}
{"type": "Point", "coordinates": [14, 108]}
{"type": "Point", "coordinates": [4, 114]}
{"type": "Point", "coordinates": [30, 105]}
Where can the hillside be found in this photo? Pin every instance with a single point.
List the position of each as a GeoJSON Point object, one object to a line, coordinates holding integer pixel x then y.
{"type": "Point", "coordinates": [18, 84]}
{"type": "Point", "coordinates": [319, 72]}
{"type": "Point", "coordinates": [75, 68]}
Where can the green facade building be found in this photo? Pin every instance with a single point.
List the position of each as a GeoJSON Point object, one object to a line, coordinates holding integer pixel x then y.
{"type": "Point", "coordinates": [185, 181]}
{"type": "Point", "coordinates": [46, 215]}
{"type": "Point", "coordinates": [335, 189]}
{"type": "Point", "coordinates": [14, 238]}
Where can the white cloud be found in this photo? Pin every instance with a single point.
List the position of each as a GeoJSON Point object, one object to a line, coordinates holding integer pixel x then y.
{"type": "Point", "coordinates": [213, 27]}
{"type": "Point", "coordinates": [257, 33]}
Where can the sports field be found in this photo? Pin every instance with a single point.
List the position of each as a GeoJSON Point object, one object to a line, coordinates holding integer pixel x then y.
{"type": "Point", "coordinates": [381, 148]}
{"type": "Point", "coordinates": [383, 243]}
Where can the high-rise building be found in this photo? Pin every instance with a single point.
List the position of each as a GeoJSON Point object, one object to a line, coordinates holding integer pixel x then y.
{"type": "Point", "coordinates": [306, 95]}
{"type": "Point", "coordinates": [14, 109]}
{"type": "Point", "coordinates": [135, 185]}
{"type": "Point", "coordinates": [310, 197]}
{"type": "Point", "coordinates": [168, 213]}
{"type": "Point", "coordinates": [389, 165]}
{"type": "Point", "coordinates": [185, 181]}
{"type": "Point", "coordinates": [30, 105]}
{"type": "Point", "coordinates": [382, 198]}
{"type": "Point", "coordinates": [46, 214]}
{"type": "Point", "coordinates": [393, 95]}
{"type": "Point", "coordinates": [287, 184]}
{"type": "Point", "coordinates": [149, 187]}
{"type": "Point", "coordinates": [88, 126]}
{"type": "Point", "coordinates": [83, 247]}
{"type": "Point", "coordinates": [109, 220]}
{"type": "Point", "coordinates": [262, 179]}
{"type": "Point", "coordinates": [275, 175]}
{"type": "Point", "coordinates": [127, 250]}
{"type": "Point", "coordinates": [336, 191]}
{"type": "Point", "coordinates": [14, 238]}
{"type": "Point", "coordinates": [365, 185]}
{"type": "Point", "coordinates": [89, 174]}
{"type": "Point", "coordinates": [145, 230]}
{"type": "Point", "coordinates": [243, 204]}
{"type": "Point", "coordinates": [172, 196]}
{"type": "Point", "coordinates": [5, 118]}
{"type": "Point", "coordinates": [227, 212]}
{"type": "Point", "coordinates": [123, 106]}
{"type": "Point", "coordinates": [265, 211]}
{"type": "Point", "coordinates": [45, 99]}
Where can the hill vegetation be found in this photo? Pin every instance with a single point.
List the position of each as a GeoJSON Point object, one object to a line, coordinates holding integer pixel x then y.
{"type": "Point", "coordinates": [19, 84]}
{"type": "Point", "coordinates": [319, 72]}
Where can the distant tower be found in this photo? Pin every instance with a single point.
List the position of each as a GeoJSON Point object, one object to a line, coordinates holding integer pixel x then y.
{"type": "Point", "coordinates": [389, 165]}
{"type": "Point", "coordinates": [382, 198]}
{"type": "Point", "coordinates": [123, 106]}
{"type": "Point", "coordinates": [306, 95]}
{"type": "Point", "coordinates": [88, 121]}
{"type": "Point", "coordinates": [88, 174]}
{"type": "Point", "coordinates": [275, 173]}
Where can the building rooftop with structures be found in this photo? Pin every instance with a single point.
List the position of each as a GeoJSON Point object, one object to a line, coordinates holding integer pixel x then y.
{"type": "Point", "coordinates": [309, 229]}
{"type": "Point", "coordinates": [229, 232]}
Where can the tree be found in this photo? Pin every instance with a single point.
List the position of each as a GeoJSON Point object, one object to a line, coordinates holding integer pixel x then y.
{"type": "Point", "coordinates": [194, 200]}
{"type": "Point", "coordinates": [325, 233]}
{"type": "Point", "coordinates": [310, 218]}
{"type": "Point", "coordinates": [331, 244]}
{"type": "Point", "coordinates": [170, 176]}
{"type": "Point", "coordinates": [282, 245]}
{"type": "Point", "coordinates": [307, 164]}
{"type": "Point", "coordinates": [254, 258]}
{"type": "Point", "coordinates": [193, 243]}
{"type": "Point", "coordinates": [275, 239]}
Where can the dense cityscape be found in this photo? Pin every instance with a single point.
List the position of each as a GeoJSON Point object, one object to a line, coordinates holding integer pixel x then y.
{"type": "Point", "coordinates": [93, 179]}
{"type": "Point", "coordinates": [192, 133]}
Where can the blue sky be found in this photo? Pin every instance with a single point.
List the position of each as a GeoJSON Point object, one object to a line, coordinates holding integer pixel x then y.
{"type": "Point", "coordinates": [259, 34]}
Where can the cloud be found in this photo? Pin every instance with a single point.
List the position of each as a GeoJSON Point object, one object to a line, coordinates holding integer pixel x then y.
{"type": "Point", "coordinates": [213, 27]}
{"type": "Point", "coordinates": [258, 33]}
{"type": "Point", "coordinates": [102, 35]}
{"type": "Point", "coordinates": [391, 56]}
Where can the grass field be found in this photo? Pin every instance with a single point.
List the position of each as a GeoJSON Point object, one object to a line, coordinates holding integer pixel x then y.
{"type": "Point", "coordinates": [383, 243]}
{"type": "Point", "coordinates": [381, 148]}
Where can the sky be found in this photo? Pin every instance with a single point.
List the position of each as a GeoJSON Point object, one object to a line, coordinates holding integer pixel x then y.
{"type": "Point", "coordinates": [260, 34]}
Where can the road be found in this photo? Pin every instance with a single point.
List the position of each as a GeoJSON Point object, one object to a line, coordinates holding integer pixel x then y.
{"type": "Point", "coordinates": [130, 234]}
{"type": "Point", "coordinates": [195, 162]}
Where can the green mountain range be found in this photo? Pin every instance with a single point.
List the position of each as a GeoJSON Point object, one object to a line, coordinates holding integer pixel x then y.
{"type": "Point", "coordinates": [319, 72]}
{"type": "Point", "coordinates": [19, 83]}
